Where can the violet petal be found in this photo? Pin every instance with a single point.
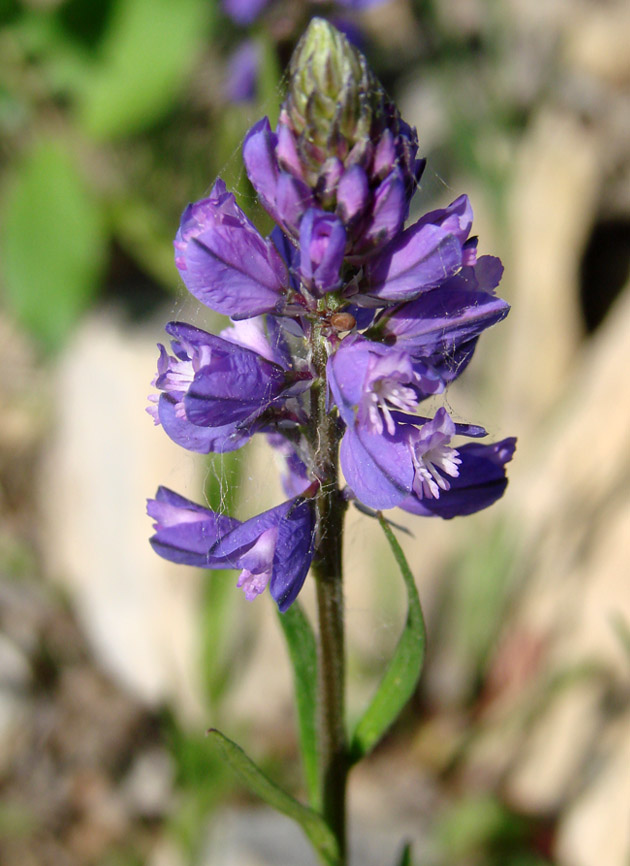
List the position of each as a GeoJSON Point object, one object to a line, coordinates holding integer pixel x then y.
{"type": "Point", "coordinates": [480, 483]}
{"type": "Point", "coordinates": [293, 553]}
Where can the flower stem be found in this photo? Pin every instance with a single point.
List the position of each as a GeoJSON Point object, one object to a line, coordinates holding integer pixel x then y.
{"type": "Point", "coordinates": [327, 569]}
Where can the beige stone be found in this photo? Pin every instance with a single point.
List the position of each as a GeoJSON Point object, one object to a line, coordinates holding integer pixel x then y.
{"type": "Point", "coordinates": [552, 199]}
{"type": "Point", "coordinates": [597, 826]}
{"type": "Point", "coordinates": [104, 458]}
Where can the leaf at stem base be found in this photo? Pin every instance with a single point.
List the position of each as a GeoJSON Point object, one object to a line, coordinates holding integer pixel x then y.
{"type": "Point", "coordinates": [303, 654]}
{"type": "Point", "coordinates": [313, 825]}
{"type": "Point", "coordinates": [403, 673]}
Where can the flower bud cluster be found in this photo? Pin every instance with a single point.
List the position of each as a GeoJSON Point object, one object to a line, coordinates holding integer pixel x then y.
{"type": "Point", "coordinates": [396, 311]}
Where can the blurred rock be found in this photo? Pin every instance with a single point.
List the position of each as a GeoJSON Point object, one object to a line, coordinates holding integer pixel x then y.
{"type": "Point", "coordinates": [60, 783]}
{"type": "Point", "coordinates": [257, 836]}
{"type": "Point", "coordinates": [597, 41]}
{"type": "Point", "coordinates": [104, 458]}
{"type": "Point", "coordinates": [148, 788]}
{"type": "Point", "coordinates": [552, 202]}
{"type": "Point", "coordinates": [15, 677]}
{"type": "Point", "coordinates": [596, 828]}
{"type": "Point", "coordinates": [547, 717]}
{"type": "Point", "coordinates": [167, 853]}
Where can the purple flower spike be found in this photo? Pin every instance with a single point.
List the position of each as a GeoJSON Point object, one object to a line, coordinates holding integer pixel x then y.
{"type": "Point", "coordinates": [274, 548]}
{"type": "Point", "coordinates": [342, 297]}
{"type": "Point", "coordinates": [224, 261]}
{"type": "Point", "coordinates": [322, 245]}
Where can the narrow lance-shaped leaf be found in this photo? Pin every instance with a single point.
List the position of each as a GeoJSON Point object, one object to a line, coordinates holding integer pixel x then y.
{"type": "Point", "coordinates": [303, 654]}
{"type": "Point", "coordinates": [403, 673]}
{"type": "Point", "coordinates": [313, 825]}
{"type": "Point", "coordinates": [405, 856]}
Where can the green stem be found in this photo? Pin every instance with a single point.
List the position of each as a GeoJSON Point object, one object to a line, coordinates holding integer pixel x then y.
{"type": "Point", "coordinates": [327, 569]}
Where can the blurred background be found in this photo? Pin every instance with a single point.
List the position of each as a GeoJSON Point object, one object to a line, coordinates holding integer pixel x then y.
{"type": "Point", "coordinates": [516, 748]}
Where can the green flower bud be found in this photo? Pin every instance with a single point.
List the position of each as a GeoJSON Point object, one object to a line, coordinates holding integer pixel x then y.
{"type": "Point", "coordinates": [334, 104]}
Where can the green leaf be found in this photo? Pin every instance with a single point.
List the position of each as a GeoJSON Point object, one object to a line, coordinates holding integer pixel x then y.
{"type": "Point", "coordinates": [313, 825]}
{"type": "Point", "coordinates": [403, 673]}
{"type": "Point", "coordinates": [53, 243]}
{"type": "Point", "coordinates": [303, 654]}
{"type": "Point", "coordinates": [478, 823]}
{"type": "Point", "coordinates": [405, 856]}
{"type": "Point", "coordinates": [147, 52]}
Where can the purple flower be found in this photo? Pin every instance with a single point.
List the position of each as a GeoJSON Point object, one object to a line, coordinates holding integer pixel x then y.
{"type": "Point", "coordinates": [242, 72]}
{"type": "Point", "coordinates": [244, 12]}
{"type": "Point", "coordinates": [442, 326]}
{"type": "Point", "coordinates": [285, 196]}
{"type": "Point", "coordinates": [322, 246]}
{"type": "Point", "coordinates": [456, 312]}
{"type": "Point", "coordinates": [216, 391]}
{"type": "Point", "coordinates": [375, 388]}
{"type": "Point", "coordinates": [224, 261]}
{"type": "Point", "coordinates": [417, 468]}
{"type": "Point", "coordinates": [480, 481]}
{"type": "Point", "coordinates": [293, 472]}
{"type": "Point", "coordinates": [434, 461]}
{"type": "Point", "coordinates": [377, 467]}
{"type": "Point", "coordinates": [422, 257]}
{"type": "Point", "coordinates": [369, 381]}
{"type": "Point", "coordinates": [274, 548]}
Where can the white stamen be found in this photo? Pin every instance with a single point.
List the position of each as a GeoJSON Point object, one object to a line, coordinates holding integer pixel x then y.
{"type": "Point", "coordinates": [387, 394]}
{"type": "Point", "coordinates": [179, 376]}
{"type": "Point", "coordinates": [428, 481]}
{"type": "Point", "coordinates": [253, 584]}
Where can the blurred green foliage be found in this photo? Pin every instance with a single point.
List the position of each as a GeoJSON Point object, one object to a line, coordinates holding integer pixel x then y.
{"type": "Point", "coordinates": [481, 830]}
{"type": "Point", "coordinates": [87, 89]}
{"type": "Point", "coordinates": [146, 52]}
{"type": "Point", "coordinates": [53, 246]}
{"type": "Point", "coordinates": [203, 779]}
